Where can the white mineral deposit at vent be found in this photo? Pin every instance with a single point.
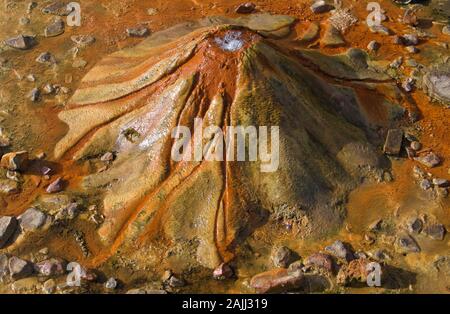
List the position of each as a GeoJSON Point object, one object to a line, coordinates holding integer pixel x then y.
{"type": "Point", "coordinates": [232, 41]}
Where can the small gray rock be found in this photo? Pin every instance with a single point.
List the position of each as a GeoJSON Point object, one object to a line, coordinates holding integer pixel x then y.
{"type": "Point", "coordinates": [246, 8]}
{"type": "Point", "coordinates": [415, 145]}
{"type": "Point", "coordinates": [138, 31]}
{"type": "Point", "coordinates": [106, 157]}
{"type": "Point", "coordinates": [407, 244]}
{"type": "Point", "coordinates": [430, 160]}
{"type": "Point", "coordinates": [56, 186]}
{"type": "Point", "coordinates": [320, 6]}
{"type": "Point", "coordinates": [8, 226]}
{"type": "Point", "coordinates": [396, 63]}
{"type": "Point", "coordinates": [410, 40]}
{"type": "Point", "coordinates": [446, 30]}
{"type": "Point", "coordinates": [35, 95]}
{"type": "Point", "coordinates": [425, 184]}
{"type": "Point", "coordinates": [54, 29]}
{"type": "Point", "coordinates": [441, 182]}
{"type": "Point", "coordinates": [46, 58]}
{"type": "Point", "coordinates": [24, 21]}
{"type": "Point", "coordinates": [22, 42]}
{"type": "Point", "coordinates": [176, 282]}
{"type": "Point", "coordinates": [340, 250]}
{"type": "Point", "coordinates": [69, 212]}
{"type": "Point", "coordinates": [435, 231]}
{"type": "Point", "coordinates": [19, 268]}
{"type": "Point", "coordinates": [380, 29]}
{"type": "Point", "coordinates": [57, 8]}
{"type": "Point", "coordinates": [412, 49]}
{"type": "Point", "coordinates": [437, 83]}
{"type": "Point", "coordinates": [373, 46]}
{"type": "Point", "coordinates": [111, 283]}
{"type": "Point", "coordinates": [414, 225]}
{"type": "Point", "coordinates": [32, 219]}
{"type": "Point", "coordinates": [282, 256]}
{"type": "Point", "coordinates": [4, 269]}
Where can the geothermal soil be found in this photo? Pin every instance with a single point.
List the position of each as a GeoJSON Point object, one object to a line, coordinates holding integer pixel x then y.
{"type": "Point", "coordinates": [373, 217]}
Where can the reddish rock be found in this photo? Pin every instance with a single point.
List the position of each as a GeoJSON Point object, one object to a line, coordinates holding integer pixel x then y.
{"type": "Point", "coordinates": [320, 260]}
{"type": "Point", "coordinates": [355, 272]}
{"type": "Point", "coordinates": [277, 280]}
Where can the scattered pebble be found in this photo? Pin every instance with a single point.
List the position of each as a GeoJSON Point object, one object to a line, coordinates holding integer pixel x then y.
{"type": "Point", "coordinates": [35, 95]}
{"type": "Point", "coordinates": [138, 31]}
{"type": "Point", "coordinates": [414, 225]}
{"type": "Point", "coordinates": [19, 268]}
{"type": "Point", "coordinates": [412, 49]}
{"type": "Point", "coordinates": [415, 145]}
{"type": "Point", "coordinates": [246, 8]}
{"type": "Point", "coordinates": [340, 250]}
{"type": "Point", "coordinates": [430, 160]}
{"type": "Point", "coordinates": [282, 257]}
{"type": "Point", "coordinates": [111, 283]}
{"type": "Point", "coordinates": [380, 29]}
{"type": "Point", "coordinates": [24, 21]}
{"type": "Point", "coordinates": [440, 182]}
{"type": "Point", "coordinates": [107, 157]}
{"type": "Point", "coordinates": [176, 282]}
{"type": "Point", "coordinates": [54, 29]}
{"type": "Point", "coordinates": [425, 184]}
{"type": "Point", "coordinates": [56, 186]}
{"type": "Point", "coordinates": [320, 6]}
{"type": "Point", "coordinates": [46, 58]}
{"type": "Point", "coordinates": [410, 40]}
{"type": "Point", "coordinates": [83, 40]}
{"type": "Point", "coordinates": [373, 46]}
{"type": "Point", "coordinates": [435, 231]}
{"type": "Point", "coordinates": [57, 8]}
{"type": "Point", "coordinates": [8, 226]}
{"type": "Point", "coordinates": [32, 219]}
{"type": "Point", "coordinates": [222, 272]}
{"type": "Point", "coordinates": [22, 42]}
{"type": "Point", "coordinates": [406, 244]}
{"type": "Point", "coordinates": [396, 63]}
